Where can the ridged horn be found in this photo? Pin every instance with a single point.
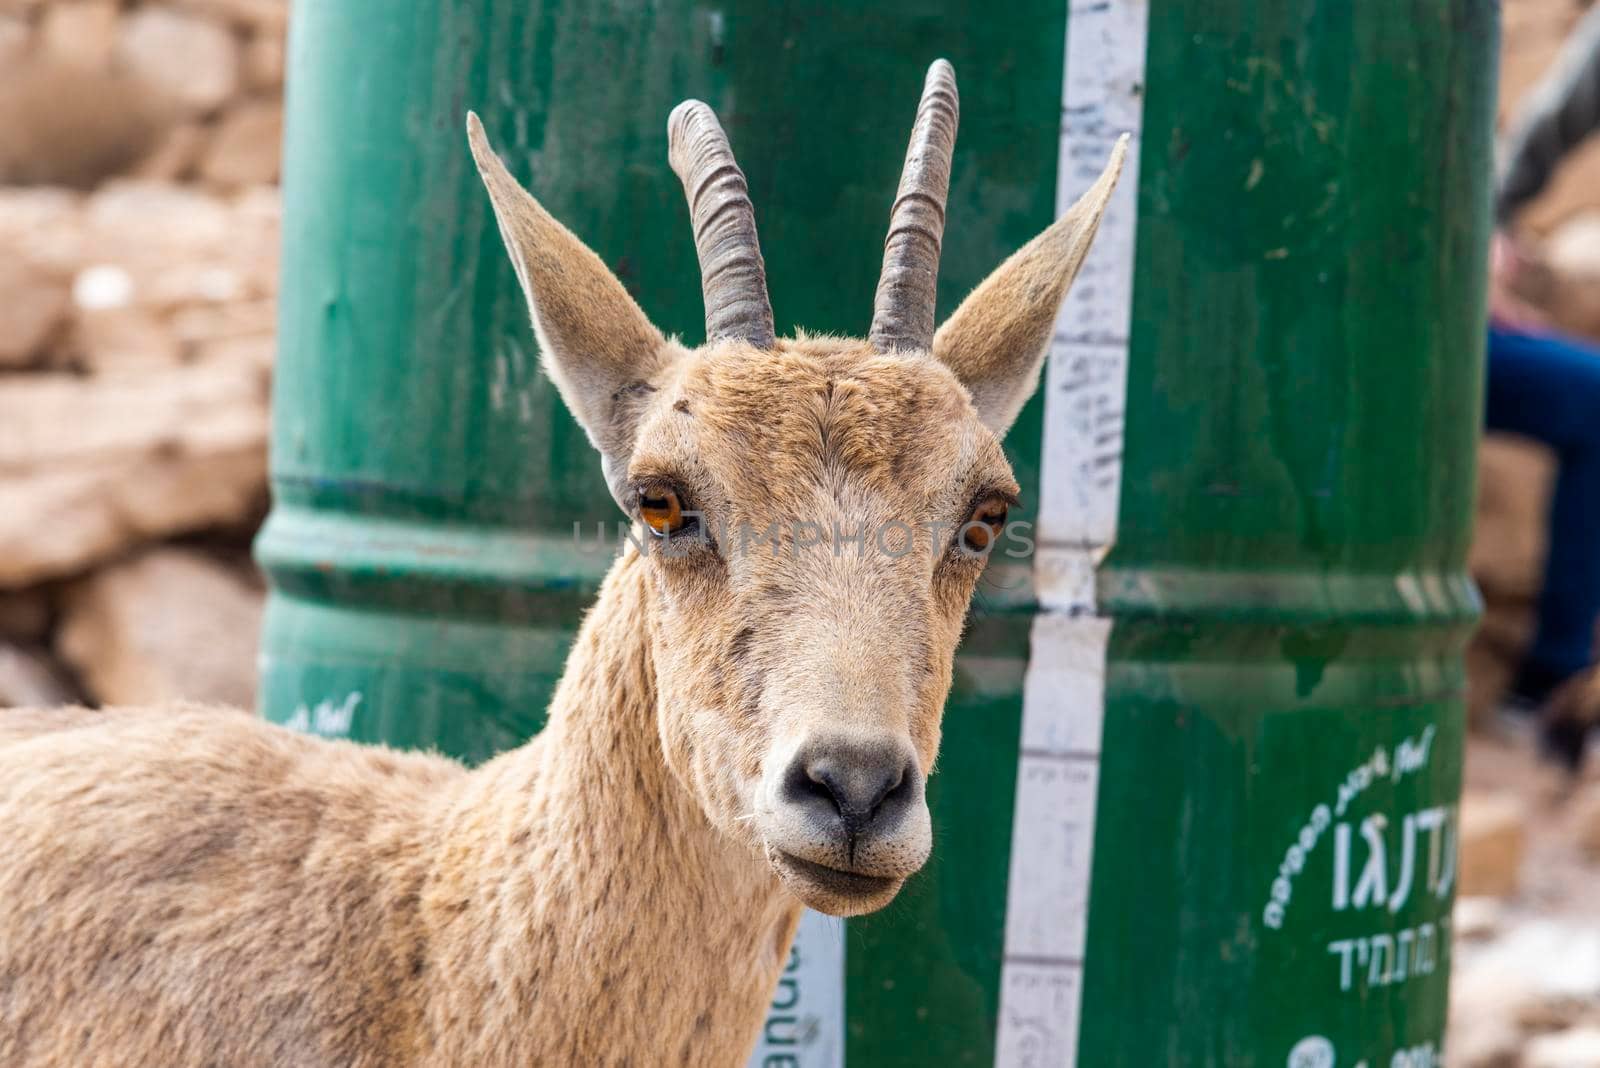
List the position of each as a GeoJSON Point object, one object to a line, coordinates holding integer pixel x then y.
{"type": "Point", "coordinates": [902, 312]}
{"type": "Point", "coordinates": [732, 275]}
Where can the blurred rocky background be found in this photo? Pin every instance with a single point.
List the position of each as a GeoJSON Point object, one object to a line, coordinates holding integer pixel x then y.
{"type": "Point", "coordinates": [139, 158]}
{"type": "Point", "coordinates": [1525, 978]}
{"type": "Point", "coordinates": [1561, 230]}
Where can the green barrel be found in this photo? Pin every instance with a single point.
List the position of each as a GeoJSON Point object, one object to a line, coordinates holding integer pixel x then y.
{"type": "Point", "coordinates": [1274, 853]}
{"type": "Point", "coordinates": [1246, 592]}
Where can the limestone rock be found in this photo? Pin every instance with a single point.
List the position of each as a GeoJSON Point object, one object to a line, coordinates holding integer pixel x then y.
{"type": "Point", "coordinates": [1572, 255]}
{"type": "Point", "coordinates": [1575, 248]}
{"type": "Point", "coordinates": [1477, 918]}
{"type": "Point", "coordinates": [104, 464]}
{"type": "Point", "coordinates": [175, 155]}
{"type": "Point", "coordinates": [264, 61]}
{"type": "Point", "coordinates": [122, 340]}
{"type": "Point", "coordinates": [1551, 1013]}
{"type": "Point", "coordinates": [1493, 839]}
{"type": "Point", "coordinates": [1491, 669]}
{"type": "Point", "coordinates": [81, 33]}
{"type": "Point", "coordinates": [251, 350]}
{"type": "Point", "coordinates": [33, 307]}
{"type": "Point", "coordinates": [162, 236]}
{"type": "Point", "coordinates": [258, 209]}
{"type": "Point", "coordinates": [64, 125]}
{"type": "Point", "coordinates": [170, 624]}
{"type": "Point", "coordinates": [191, 59]}
{"type": "Point", "coordinates": [43, 227]}
{"type": "Point", "coordinates": [148, 243]}
{"type": "Point", "coordinates": [219, 322]}
{"type": "Point", "coordinates": [1515, 480]}
{"type": "Point", "coordinates": [25, 615]}
{"type": "Point", "coordinates": [182, 245]}
{"type": "Point", "coordinates": [264, 16]}
{"type": "Point", "coordinates": [1586, 821]}
{"type": "Point", "coordinates": [1482, 1030]}
{"type": "Point", "coordinates": [1482, 1040]}
{"type": "Point", "coordinates": [1540, 973]}
{"type": "Point", "coordinates": [133, 217]}
{"type": "Point", "coordinates": [96, 512]}
{"type": "Point", "coordinates": [247, 146]}
{"type": "Point", "coordinates": [29, 679]}
{"type": "Point", "coordinates": [239, 333]}
{"type": "Point", "coordinates": [16, 36]}
{"type": "Point", "coordinates": [102, 287]}
{"type": "Point", "coordinates": [1575, 1048]}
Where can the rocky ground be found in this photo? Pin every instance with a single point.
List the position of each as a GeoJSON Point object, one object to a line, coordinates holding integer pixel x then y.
{"type": "Point", "coordinates": [139, 156]}
{"type": "Point", "coordinates": [1525, 986]}
{"type": "Point", "coordinates": [1525, 989]}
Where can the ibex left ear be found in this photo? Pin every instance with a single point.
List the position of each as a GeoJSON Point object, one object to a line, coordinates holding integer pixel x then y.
{"type": "Point", "coordinates": [595, 342]}
{"type": "Point", "coordinates": [996, 341]}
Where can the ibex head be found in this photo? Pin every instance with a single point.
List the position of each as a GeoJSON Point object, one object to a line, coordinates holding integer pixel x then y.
{"type": "Point", "coordinates": [819, 508]}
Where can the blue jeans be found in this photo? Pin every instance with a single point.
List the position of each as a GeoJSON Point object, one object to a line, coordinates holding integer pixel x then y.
{"type": "Point", "coordinates": [1547, 388]}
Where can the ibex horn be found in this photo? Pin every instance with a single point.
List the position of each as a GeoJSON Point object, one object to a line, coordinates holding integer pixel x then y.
{"type": "Point", "coordinates": [732, 276]}
{"type": "Point", "coordinates": [902, 313]}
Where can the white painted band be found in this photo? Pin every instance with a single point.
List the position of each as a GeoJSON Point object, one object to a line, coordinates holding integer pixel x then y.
{"type": "Point", "coordinates": [804, 1027]}
{"type": "Point", "coordinates": [1063, 704]}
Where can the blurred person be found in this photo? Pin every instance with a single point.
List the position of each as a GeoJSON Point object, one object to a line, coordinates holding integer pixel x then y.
{"type": "Point", "coordinates": [1546, 386]}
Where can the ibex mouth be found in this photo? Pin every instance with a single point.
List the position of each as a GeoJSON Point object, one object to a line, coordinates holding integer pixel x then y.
{"type": "Point", "coordinates": [835, 881]}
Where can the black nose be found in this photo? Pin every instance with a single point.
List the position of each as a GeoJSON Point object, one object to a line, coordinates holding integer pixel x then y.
{"type": "Point", "coordinates": [858, 786]}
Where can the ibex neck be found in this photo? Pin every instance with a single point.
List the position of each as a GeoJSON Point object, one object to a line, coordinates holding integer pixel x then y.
{"type": "Point", "coordinates": [612, 921]}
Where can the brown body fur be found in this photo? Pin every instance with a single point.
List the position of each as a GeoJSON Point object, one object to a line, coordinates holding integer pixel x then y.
{"type": "Point", "coordinates": [336, 904]}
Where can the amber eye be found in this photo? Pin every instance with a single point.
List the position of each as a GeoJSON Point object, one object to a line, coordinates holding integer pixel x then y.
{"type": "Point", "coordinates": [988, 519]}
{"type": "Point", "coordinates": [661, 511]}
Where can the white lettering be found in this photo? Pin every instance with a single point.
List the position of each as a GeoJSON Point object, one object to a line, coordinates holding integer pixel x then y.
{"type": "Point", "coordinates": [1408, 862]}
{"type": "Point", "coordinates": [1372, 887]}
{"type": "Point", "coordinates": [1387, 959]}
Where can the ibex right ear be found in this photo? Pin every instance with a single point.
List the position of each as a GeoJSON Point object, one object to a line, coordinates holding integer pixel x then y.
{"type": "Point", "coordinates": [595, 342]}
{"type": "Point", "coordinates": [996, 341]}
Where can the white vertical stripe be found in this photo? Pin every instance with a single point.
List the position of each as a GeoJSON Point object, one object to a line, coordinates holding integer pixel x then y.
{"type": "Point", "coordinates": [1063, 704]}
{"type": "Point", "coordinates": [804, 1027]}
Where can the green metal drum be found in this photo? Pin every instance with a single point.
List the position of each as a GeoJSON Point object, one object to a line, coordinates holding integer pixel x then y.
{"type": "Point", "coordinates": [1196, 797]}
{"type": "Point", "coordinates": [1275, 843]}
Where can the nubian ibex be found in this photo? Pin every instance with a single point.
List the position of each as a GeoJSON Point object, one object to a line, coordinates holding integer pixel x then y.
{"type": "Point", "coordinates": [742, 729]}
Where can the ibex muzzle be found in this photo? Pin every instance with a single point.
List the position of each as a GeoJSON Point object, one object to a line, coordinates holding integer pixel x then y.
{"type": "Point", "coordinates": [848, 820]}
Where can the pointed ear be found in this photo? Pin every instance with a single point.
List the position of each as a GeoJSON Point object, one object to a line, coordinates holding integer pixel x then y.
{"type": "Point", "coordinates": [996, 341]}
{"type": "Point", "coordinates": [595, 342]}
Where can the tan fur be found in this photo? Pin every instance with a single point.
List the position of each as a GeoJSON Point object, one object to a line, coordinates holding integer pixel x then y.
{"type": "Point", "coordinates": [997, 339]}
{"type": "Point", "coordinates": [188, 886]}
